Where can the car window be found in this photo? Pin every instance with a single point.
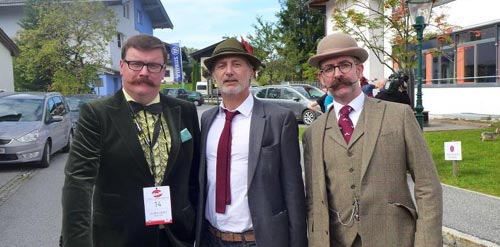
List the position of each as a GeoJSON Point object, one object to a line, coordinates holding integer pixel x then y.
{"type": "Point", "coordinates": [274, 93]}
{"type": "Point", "coordinates": [21, 109]}
{"type": "Point", "coordinates": [262, 93]}
{"type": "Point", "coordinates": [314, 92]}
{"type": "Point", "coordinates": [289, 94]}
{"type": "Point", "coordinates": [171, 92]}
{"type": "Point", "coordinates": [302, 91]}
{"type": "Point", "coordinates": [59, 107]}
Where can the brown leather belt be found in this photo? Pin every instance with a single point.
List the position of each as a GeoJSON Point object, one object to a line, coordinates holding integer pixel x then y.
{"type": "Point", "coordinates": [232, 237]}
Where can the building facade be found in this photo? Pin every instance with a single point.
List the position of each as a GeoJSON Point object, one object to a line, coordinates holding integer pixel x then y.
{"type": "Point", "coordinates": [134, 17]}
{"type": "Point", "coordinates": [464, 77]}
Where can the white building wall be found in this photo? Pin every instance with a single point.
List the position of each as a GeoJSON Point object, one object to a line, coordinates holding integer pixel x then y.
{"type": "Point", "coordinates": [478, 100]}
{"type": "Point", "coordinates": [447, 99]}
{"type": "Point", "coordinates": [6, 69]}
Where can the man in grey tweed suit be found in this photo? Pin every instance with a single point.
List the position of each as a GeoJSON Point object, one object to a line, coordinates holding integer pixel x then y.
{"type": "Point", "coordinates": [356, 187]}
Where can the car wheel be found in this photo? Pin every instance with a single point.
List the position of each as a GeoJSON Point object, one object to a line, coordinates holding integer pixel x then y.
{"type": "Point", "coordinates": [68, 145]}
{"type": "Point", "coordinates": [196, 102]}
{"type": "Point", "coordinates": [308, 117]}
{"type": "Point", "coordinates": [45, 162]}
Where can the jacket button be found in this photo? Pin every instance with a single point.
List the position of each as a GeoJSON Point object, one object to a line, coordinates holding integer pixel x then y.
{"type": "Point", "coordinates": [353, 186]}
{"type": "Point", "coordinates": [351, 170]}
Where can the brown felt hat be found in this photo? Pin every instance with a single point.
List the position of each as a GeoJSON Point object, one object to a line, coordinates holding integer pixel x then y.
{"type": "Point", "coordinates": [336, 45]}
{"type": "Point", "coordinates": [231, 47]}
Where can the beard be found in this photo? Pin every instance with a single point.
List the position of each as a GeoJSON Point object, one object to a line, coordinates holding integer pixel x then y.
{"type": "Point", "coordinates": [145, 81]}
{"type": "Point", "coordinates": [341, 81]}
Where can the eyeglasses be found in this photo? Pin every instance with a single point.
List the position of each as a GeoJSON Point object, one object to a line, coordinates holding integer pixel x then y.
{"type": "Point", "coordinates": [329, 71]}
{"type": "Point", "coordinates": [138, 65]}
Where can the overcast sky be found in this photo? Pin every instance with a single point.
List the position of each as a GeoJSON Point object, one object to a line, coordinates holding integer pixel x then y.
{"type": "Point", "coordinates": [201, 23]}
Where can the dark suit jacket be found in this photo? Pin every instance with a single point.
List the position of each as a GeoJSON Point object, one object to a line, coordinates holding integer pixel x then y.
{"type": "Point", "coordinates": [393, 145]}
{"type": "Point", "coordinates": [106, 172]}
{"type": "Point", "coordinates": [275, 186]}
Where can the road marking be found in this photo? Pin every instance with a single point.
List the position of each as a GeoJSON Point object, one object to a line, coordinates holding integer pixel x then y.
{"type": "Point", "coordinates": [9, 188]}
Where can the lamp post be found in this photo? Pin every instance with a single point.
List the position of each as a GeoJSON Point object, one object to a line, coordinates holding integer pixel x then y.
{"type": "Point", "coordinates": [420, 12]}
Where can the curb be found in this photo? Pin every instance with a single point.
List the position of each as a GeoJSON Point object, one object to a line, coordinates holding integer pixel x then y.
{"type": "Point", "coordinates": [461, 122]}
{"type": "Point", "coordinates": [454, 238]}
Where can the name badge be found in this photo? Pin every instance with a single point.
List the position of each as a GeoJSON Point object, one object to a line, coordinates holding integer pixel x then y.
{"type": "Point", "coordinates": [157, 205]}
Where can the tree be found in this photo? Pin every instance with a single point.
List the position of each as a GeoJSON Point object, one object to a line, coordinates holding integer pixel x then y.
{"type": "Point", "coordinates": [287, 44]}
{"type": "Point", "coordinates": [375, 24]}
{"type": "Point", "coordinates": [63, 45]}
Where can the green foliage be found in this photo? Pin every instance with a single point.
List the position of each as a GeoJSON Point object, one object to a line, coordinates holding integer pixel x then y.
{"type": "Point", "coordinates": [63, 45]}
{"type": "Point", "coordinates": [288, 43]}
{"type": "Point", "coordinates": [373, 25]}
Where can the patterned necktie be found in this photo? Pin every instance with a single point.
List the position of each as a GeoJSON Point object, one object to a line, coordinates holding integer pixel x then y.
{"type": "Point", "coordinates": [222, 182]}
{"type": "Point", "coordinates": [345, 123]}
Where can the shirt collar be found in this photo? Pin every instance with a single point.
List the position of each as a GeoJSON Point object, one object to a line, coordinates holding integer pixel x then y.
{"type": "Point", "coordinates": [245, 108]}
{"type": "Point", "coordinates": [356, 104]}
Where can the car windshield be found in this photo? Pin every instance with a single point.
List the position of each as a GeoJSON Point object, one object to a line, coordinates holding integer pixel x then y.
{"type": "Point", "coordinates": [21, 109]}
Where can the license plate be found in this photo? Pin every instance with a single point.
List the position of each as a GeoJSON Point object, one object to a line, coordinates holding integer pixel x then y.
{"type": "Point", "coordinates": [2, 150]}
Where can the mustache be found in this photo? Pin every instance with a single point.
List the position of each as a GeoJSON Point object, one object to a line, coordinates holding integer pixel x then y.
{"type": "Point", "coordinates": [341, 81]}
{"type": "Point", "coordinates": [146, 81]}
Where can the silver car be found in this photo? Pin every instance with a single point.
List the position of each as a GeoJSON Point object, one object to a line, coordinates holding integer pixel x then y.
{"type": "Point", "coordinates": [33, 126]}
{"type": "Point", "coordinates": [293, 98]}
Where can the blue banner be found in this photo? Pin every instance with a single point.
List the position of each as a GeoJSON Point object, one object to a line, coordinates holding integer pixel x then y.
{"type": "Point", "coordinates": [176, 56]}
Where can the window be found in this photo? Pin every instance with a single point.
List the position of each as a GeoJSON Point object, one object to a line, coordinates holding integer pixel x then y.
{"type": "Point", "coordinates": [486, 63]}
{"type": "Point", "coordinates": [274, 93]}
{"type": "Point", "coordinates": [139, 17]}
{"type": "Point", "coordinates": [289, 94]}
{"type": "Point", "coordinates": [167, 73]}
{"type": "Point", "coordinates": [126, 10]}
{"type": "Point", "coordinates": [262, 93]}
{"type": "Point", "coordinates": [119, 39]}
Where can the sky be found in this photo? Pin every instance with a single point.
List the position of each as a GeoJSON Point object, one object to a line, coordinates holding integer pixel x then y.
{"type": "Point", "coordinates": [201, 23]}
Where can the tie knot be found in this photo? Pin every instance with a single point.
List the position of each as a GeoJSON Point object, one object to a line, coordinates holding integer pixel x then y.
{"type": "Point", "coordinates": [230, 114]}
{"type": "Point", "coordinates": [345, 110]}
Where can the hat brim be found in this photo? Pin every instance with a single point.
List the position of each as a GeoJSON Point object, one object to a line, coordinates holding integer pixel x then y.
{"type": "Point", "coordinates": [358, 52]}
{"type": "Point", "coordinates": [209, 62]}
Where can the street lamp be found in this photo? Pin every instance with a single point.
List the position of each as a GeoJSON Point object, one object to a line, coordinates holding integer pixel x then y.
{"type": "Point", "coordinates": [420, 13]}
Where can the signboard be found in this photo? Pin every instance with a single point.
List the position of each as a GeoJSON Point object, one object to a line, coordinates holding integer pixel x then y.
{"type": "Point", "coordinates": [453, 150]}
{"type": "Point", "coordinates": [176, 56]}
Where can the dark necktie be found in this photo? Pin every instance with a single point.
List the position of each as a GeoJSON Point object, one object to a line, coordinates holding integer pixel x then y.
{"type": "Point", "coordinates": [345, 123]}
{"type": "Point", "coordinates": [154, 108]}
{"type": "Point", "coordinates": [222, 182]}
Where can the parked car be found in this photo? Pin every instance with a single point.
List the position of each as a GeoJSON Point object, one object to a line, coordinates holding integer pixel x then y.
{"type": "Point", "coordinates": [312, 91]}
{"type": "Point", "coordinates": [75, 101]}
{"type": "Point", "coordinates": [33, 126]}
{"type": "Point", "coordinates": [196, 98]}
{"type": "Point", "coordinates": [179, 93]}
{"type": "Point", "coordinates": [293, 98]}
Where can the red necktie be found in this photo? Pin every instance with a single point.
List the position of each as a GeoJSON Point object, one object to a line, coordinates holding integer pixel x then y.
{"type": "Point", "coordinates": [345, 123]}
{"type": "Point", "coordinates": [222, 181]}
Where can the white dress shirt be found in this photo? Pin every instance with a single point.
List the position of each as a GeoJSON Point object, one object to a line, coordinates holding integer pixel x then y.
{"type": "Point", "coordinates": [357, 107]}
{"type": "Point", "coordinates": [237, 217]}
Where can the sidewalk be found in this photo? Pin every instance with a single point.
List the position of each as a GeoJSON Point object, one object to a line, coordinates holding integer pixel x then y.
{"type": "Point", "coordinates": [470, 218]}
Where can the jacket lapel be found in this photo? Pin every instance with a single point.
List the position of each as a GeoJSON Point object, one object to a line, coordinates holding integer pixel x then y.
{"type": "Point", "coordinates": [332, 129]}
{"type": "Point", "coordinates": [373, 112]}
{"type": "Point", "coordinates": [122, 121]}
{"type": "Point", "coordinates": [257, 125]}
{"type": "Point", "coordinates": [172, 116]}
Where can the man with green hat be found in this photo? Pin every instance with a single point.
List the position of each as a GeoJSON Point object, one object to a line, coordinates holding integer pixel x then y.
{"type": "Point", "coordinates": [252, 193]}
{"type": "Point", "coordinates": [356, 160]}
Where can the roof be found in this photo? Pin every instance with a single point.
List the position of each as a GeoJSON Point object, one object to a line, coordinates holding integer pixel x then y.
{"type": "Point", "coordinates": [316, 3]}
{"type": "Point", "coordinates": [158, 15]}
{"type": "Point", "coordinates": [205, 52]}
{"type": "Point", "coordinates": [8, 43]}
{"type": "Point", "coordinates": [153, 8]}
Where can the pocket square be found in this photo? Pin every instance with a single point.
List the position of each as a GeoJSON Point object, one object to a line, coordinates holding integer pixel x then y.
{"type": "Point", "coordinates": [185, 135]}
